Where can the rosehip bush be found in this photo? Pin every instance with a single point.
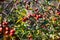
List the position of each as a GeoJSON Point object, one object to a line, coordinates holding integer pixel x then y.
{"type": "Point", "coordinates": [30, 19]}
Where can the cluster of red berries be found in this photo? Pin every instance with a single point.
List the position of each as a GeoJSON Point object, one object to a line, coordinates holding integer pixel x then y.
{"type": "Point", "coordinates": [36, 16]}
{"type": "Point", "coordinates": [6, 30]}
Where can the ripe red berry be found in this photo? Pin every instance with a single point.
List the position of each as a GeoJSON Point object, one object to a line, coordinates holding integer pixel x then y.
{"type": "Point", "coordinates": [6, 32]}
{"type": "Point", "coordinates": [5, 23]}
{"type": "Point", "coordinates": [34, 15]}
{"type": "Point", "coordinates": [30, 37]}
{"type": "Point", "coordinates": [24, 19]}
{"type": "Point", "coordinates": [12, 31]}
{"type": "Point", "coordinates": [36, 9]}
{"type": "Point", "coordinates": [29, 15]}
{"type": "Point", "coordinates": [11, 34]}
{"type": "Point", "coordinates": [0, 29]}
{"type": "Point", "coordinates": [40, 16]}
{"type": "Point", "coordinates": [55, 19]}
{"type": "Point", "coordinates": [6, 28]}
{"type": "Point", "coordinates": [37, 17]}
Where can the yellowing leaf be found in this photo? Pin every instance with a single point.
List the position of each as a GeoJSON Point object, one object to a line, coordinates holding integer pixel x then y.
{"type": "Point", "coordinates": [30, 8]}
{"type": "Point", "coordinates": [19, 20]}
{"type": "Point", "coordinates": [47, 24]}
{"type": "Point", "coordinates": [38, 31]}
{"type": "Point", "coordinates": [0, 18]}
{"type": "Point", "coordinates": [53, 22]}
{"type": "Point", "coordinates": [22, 30]}
{"type": "Point", "coordinates": [58, 0]}
{"type": "Point", "coordinates": [23, 14]}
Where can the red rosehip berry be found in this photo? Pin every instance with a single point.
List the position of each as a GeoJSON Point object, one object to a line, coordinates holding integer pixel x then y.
{"type": "Point", "coordinates": [55, 19]}
{"type": "Point", "coordinates": [30, 37]}
{"type": "Point", "coordinates": [40, 16]}
{"type": "Point", "coordinates": [24, 19]}
{"type": "Point", "coordinates": [34, 15]}
{"type": "Point", "coordinates": [5, 23]}
{"type": "Point", "coordinates": [29, 15]}
{"type": "Point", "coordinates": [11, 34]}
{"type": "Point", "coordinates": [0, 29]}
{"type": "Point", "coordinates": [37, 17]}
{"type": "Point", "coordinates": [36, 9]}
{"type": "Point", "coordinates": [12, 31]}
{"type": "Point", "coordinates": [6, 28]}
{"type": "Point", "coordinates": [6, 32]}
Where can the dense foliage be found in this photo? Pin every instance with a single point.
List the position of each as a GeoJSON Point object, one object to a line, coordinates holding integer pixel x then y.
{"type": "Point", "coordinates": [30, 19]}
